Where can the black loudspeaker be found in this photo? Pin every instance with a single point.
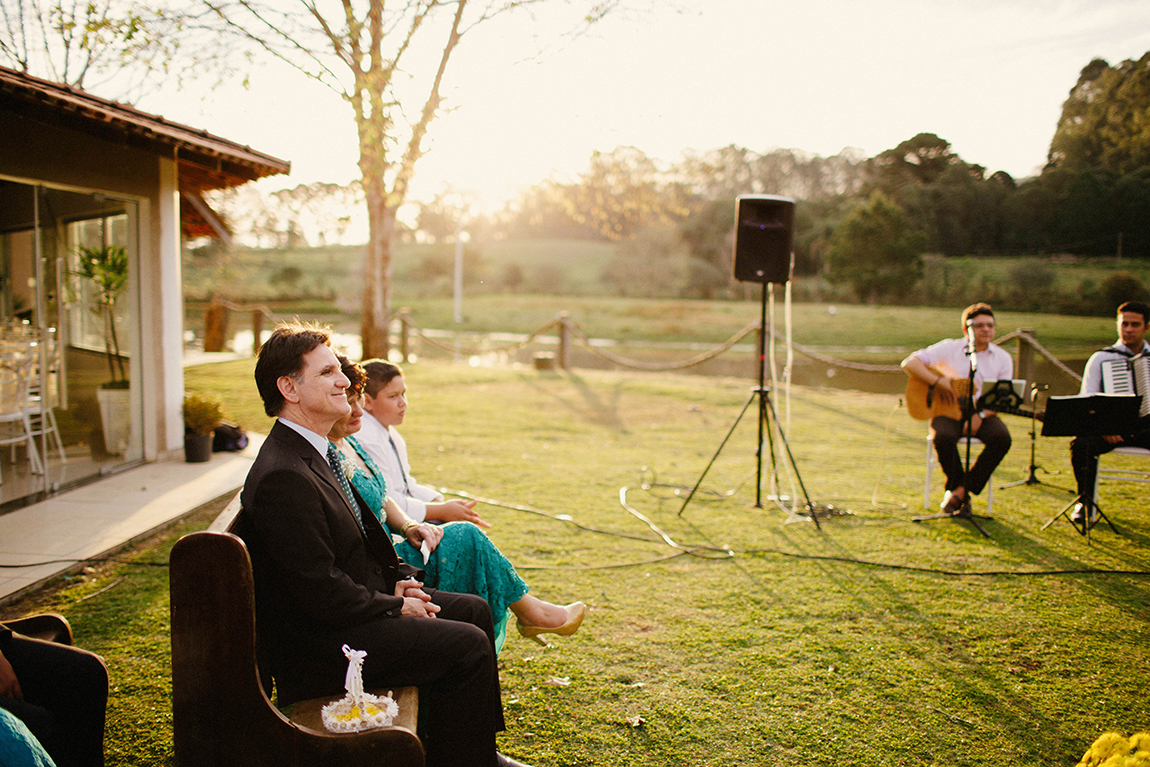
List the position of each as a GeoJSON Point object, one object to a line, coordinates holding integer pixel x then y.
{"type": "Point", "coordinates": [764, 238]}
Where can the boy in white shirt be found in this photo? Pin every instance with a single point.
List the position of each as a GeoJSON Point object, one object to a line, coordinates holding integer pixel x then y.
{"type": "Point", "coordinates": [385, 404]}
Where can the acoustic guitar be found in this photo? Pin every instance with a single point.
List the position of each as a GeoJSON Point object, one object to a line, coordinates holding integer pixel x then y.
{"type": "Point", "coordinates": [923, 402]}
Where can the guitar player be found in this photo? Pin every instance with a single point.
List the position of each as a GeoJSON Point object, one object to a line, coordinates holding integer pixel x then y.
{"type": "Point", "coordinates": [1084, 449]}
{"type": "Point", "coordinates": [992, 364]}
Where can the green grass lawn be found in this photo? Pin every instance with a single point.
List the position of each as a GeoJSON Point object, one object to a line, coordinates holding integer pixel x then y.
{"type": "Point", "coordinates": [873, 641]}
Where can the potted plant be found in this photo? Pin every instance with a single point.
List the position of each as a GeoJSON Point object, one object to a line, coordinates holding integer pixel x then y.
{"type": "Point", "coordinates": [106, 269]}
{"type": "Point", "coordinates": [201, 417]}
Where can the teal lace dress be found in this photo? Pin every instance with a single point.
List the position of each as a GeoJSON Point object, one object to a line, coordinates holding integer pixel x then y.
{"type": "Point", "coordinates": [465, 561]}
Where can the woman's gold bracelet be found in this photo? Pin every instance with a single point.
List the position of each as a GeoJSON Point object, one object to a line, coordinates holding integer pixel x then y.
{"type": "Point", "coordinates": [407, 526]}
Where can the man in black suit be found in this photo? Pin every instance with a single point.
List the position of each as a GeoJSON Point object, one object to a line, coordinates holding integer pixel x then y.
{"type": "Point", "coordinates": [326, 573]}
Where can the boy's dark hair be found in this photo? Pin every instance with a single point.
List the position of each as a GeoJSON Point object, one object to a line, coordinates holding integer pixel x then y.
{"type": "Point", "coordinates": [379, 374]}
{"type": "Point", "coordinates": [1136, 306]}
{"type": "Point", "coordinates": [282, 355]}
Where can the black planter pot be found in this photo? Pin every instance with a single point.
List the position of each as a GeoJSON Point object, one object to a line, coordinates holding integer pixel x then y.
{"type": "Point", "coordinates": [198, 448]}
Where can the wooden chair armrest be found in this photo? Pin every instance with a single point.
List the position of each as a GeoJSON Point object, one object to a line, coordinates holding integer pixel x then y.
{"type": "Point", "coordinates": [51, 627]}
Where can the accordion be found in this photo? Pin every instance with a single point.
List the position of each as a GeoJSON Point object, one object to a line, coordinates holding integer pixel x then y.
{"type": "Point", "coordinates": [1128, 376]}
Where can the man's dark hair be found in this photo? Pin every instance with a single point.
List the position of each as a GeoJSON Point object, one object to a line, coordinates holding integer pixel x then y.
{"type": "Point", "coordinates": [354, 373]}
{"type": "Point", "coordinates": [282, 355]}
{"type": "Point", "coordinates": [1136, 306]}
{"type": "Point", "coordinates": [379, 375]}
{"type": "Point", "coordinates": [973, 311]}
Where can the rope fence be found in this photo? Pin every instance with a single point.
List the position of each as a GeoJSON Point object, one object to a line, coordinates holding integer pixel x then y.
{"type": "Point", "coordinates": [567, 330]}
{"type": "Point", "coordinates": [681, 365]}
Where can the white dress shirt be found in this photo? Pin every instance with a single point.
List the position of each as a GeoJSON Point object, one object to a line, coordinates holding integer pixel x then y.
{"type": "Point", "coordinates": [994, 362]}
{"type": "Point", "coordinates": [387, 448]}
{"type": "Point", "coordinates": [1092, 376]}
{"type": "Point", "coordinates": [318, 441]}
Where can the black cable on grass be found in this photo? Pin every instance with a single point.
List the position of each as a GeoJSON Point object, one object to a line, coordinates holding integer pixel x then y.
{"type": "Point", "coordinates": [94, 560]}
{"type": "Point", "coordinates": [707, 551]}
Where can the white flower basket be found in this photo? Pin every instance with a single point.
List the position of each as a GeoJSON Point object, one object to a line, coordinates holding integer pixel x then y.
{"type": "Point", "coordinates": [358, 710]}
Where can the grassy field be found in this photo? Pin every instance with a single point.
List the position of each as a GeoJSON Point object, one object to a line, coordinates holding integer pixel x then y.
{"type": "Point", "coordinates": [873, 641]}
{"type": "Point", "coordinates": [564, 266]}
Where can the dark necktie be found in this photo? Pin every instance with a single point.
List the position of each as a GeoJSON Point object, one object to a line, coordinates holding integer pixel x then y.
{"type": "Point", "coordinates": [333, 458]}
{"type": "Point", "coordinates": [402, 473]}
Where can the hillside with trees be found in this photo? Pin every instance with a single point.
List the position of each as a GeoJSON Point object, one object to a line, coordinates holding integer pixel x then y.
{"type": "Point", "coordinates": [900, 227]}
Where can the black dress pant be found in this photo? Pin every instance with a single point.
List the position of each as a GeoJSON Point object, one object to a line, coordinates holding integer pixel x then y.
{"type": "Point", "coordinates": [1084, 452]}
{"type": "Point", "coordinates": [65, 694]}
{"type": "Point", "coordinates": [996, 444]}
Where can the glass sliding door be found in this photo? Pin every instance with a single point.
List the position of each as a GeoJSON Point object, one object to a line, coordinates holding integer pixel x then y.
{"type": "Point", "coordinates": [67, 301]}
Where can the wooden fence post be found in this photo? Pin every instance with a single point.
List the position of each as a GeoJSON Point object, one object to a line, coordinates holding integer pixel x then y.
{"type": "Point", "coordinates": [404, 333]}
{"type": "Point", "coordinates": [1025, 366]}
{"type": "Point", "coordinates": [564, 340]}
{"type": "Point", "coordinates": [215, 326]}
{"type": "Point", "coordinates": [257, 331]}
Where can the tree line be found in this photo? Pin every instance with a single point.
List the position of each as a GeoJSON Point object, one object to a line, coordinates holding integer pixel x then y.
{"type": "Point", "coordinates": [875, 225]}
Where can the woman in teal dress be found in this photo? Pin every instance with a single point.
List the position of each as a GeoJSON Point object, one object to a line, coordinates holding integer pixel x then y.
{"type": "Point", "coordinates": [460, 557]}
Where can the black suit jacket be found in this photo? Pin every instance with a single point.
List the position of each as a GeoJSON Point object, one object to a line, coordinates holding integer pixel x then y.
{"type": "Point", "coordinates": [317, 573]}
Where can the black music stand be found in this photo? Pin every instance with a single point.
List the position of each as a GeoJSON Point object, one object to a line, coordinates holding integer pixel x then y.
{"type": "Point", "coordinates": [969, 408]}
{"type": "Point", "coordinates": [1031, 477]}
{"type": "Point", "coordinates": [1082, 415]}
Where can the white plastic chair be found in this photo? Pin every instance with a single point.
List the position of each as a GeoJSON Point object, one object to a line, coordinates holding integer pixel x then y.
{"type": "Point", "coordinates": [44, 422]}
{"type": "Point", "coordinates": [1125, 475]}
{"type": "Point", "coordinates": [931, 460]}
{"type": "Point", "coordinates": [14, 368]}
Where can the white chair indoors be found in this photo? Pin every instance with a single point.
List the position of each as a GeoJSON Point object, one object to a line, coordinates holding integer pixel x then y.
{"type": "Point", "coordinates": [43, 422]}
{"type": "Point", "coordinates": [15, 425]}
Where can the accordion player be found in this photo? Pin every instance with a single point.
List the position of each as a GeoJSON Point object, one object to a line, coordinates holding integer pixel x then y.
{"type": "Point", "coordinates": [1122, 368]}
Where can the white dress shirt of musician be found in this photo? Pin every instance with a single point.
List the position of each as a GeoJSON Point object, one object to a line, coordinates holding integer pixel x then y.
{"type": "Point", "coordinates": [992, 363]}
{"type": "Point", "coordinates": [383, 411]}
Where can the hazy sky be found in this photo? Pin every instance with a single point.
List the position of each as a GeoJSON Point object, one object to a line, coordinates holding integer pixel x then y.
{"type": "Point", "coordinates": [989, 76]}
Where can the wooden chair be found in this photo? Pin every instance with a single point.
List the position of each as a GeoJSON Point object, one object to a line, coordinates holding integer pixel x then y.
{"type": "Point", "coordinates": [51, 627]}
{"type": "Point", "coordinates": [221, 711]}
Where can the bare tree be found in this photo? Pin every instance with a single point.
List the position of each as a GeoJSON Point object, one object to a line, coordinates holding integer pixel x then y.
{"type": "Point", "coordinates": [121, 46]}
{"type": "Point", "coordinates": [375, 54]}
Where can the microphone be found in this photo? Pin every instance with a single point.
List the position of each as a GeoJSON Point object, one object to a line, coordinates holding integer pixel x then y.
{"type": "Point", "coordinates": [970, 350]}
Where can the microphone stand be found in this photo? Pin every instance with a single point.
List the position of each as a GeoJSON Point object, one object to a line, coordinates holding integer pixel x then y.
{"type": "Point", "coordinates": [1031, 478]}
{"type": "Point", "coordinates": [968, 411]}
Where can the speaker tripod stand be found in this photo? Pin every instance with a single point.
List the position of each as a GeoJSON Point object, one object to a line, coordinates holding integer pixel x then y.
{"type": "Point", "coordinates": [766, 411]}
